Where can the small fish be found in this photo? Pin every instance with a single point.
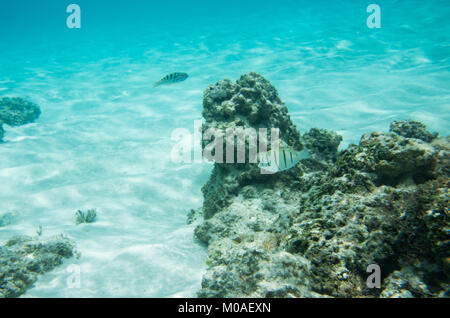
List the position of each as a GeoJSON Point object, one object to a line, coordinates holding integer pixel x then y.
{"type": "Point", "coordinates": [172, 78]}
{"type": "Point", "coordinates": [283, 159]}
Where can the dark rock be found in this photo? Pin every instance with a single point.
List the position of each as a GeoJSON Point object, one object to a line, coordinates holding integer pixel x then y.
{"type": "Point", "coordinates": [412, 129]}
{"type": "Point", "coordinates": [23, 258]}
{"type": "Point", "coordinates": [391, 157]}
{"type": "Point", "coordinates": [17, 111]}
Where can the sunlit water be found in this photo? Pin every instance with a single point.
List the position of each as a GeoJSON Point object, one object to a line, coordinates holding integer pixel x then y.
{"type": "Point", "coordinates": [103, 139]}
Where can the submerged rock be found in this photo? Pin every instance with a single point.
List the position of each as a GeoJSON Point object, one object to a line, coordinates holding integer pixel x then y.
{"type": "Point", "coordinates": [251, 102]}
{"type": "Point", "coordinates": [406, 283]}
{"type": "Point", "coordinates": [323, 144]}
{"type": "Point", "coordinates": [7, 218]}
{"type": "Point", "coordinates": [23, 258]}
{"type": "Point", "coordinates": [391, 157]}
{"type": "Point", "coordinates": [16, 111]}
{"type": "Point", "coordinates": [412, 129]}
{"type": "Point", "coordinates": [311, 231]}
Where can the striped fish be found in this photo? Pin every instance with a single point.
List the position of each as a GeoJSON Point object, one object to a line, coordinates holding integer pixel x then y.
{"type": "Point", "coordinates": [171, 78]}
{"type": "Point", "coordinates": [283, 159]}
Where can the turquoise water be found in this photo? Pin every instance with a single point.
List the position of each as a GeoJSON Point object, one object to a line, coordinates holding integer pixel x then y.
{"type": "Point", "coordinates": [103, 139]}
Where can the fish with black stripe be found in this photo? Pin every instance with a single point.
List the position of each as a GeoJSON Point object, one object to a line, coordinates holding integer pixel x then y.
{"type": "Point", "coordinates": [282, 159]}
{"type": "Point", "coordinates": [171, 79]}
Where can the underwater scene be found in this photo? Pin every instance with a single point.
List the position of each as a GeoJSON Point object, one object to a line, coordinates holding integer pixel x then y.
{"type": "Point", "coordinates": [224, 149]}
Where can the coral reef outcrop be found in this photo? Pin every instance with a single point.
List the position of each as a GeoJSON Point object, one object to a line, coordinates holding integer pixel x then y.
{"type": "Point", "coordinates": [251, 102]}
{"type": "Point", "coordinates": [313, 230]}
{"type": "Point", "coordinates": [412, 129]}
{"type": "Point", "coordinates": [23, 258]}
{"type": "Point", "coordinates": [16, 111]}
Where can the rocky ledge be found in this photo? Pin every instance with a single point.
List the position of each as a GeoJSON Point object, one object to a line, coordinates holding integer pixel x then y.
{"type": "Point", "coordinates": [312, 231]}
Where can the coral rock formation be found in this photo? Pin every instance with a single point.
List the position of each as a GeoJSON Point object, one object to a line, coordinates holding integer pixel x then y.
{"type": "Point", "coordinates": [251, 102]}
{"type": "Point", "coordinates": [23, 258]}
{"type": "Point", "coordinates": [391, 157]}
{"type": "Point", "coordinates": [17, 111]}
{"type": "Point", "coordinates": [412, 129]}
{"type": "Point", "coordinates": [311, 231]}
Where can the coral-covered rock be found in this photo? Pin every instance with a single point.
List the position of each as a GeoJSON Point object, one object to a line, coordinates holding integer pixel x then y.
{"type": "Point", "coordinates": [313, 230]}
{"type": "Point", "coordinates": [250, 102]}
{"type": "Point", "coordinates": [252, 272]}
{"type": "Point", "coordinates": [405, 283]}
{"type": "Point", "coordinates": [23, 258]}
{"type": "Point", "coordinates": [323, 144]}
{"type": "Point", "coordinates": [412, 129]}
